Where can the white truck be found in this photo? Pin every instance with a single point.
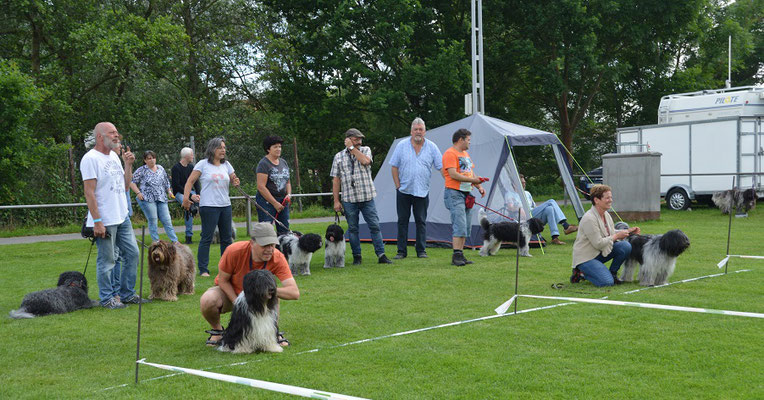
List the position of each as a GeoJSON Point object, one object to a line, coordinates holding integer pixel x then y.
{"type": "Point", "coordinates": [706, 138]}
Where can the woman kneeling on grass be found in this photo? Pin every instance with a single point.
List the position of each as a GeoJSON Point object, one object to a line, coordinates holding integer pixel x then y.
{"type": "Point", "coordinates": [598, 242]}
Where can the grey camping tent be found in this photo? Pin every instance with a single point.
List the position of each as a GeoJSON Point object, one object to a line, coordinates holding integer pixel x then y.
{"type": "Point", "coordinates": [490, 151]}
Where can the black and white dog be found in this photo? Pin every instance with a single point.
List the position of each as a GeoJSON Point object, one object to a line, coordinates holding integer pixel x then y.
{"type": "Point", "coordinates": [655, 254]}
{"type": "Point", "coordinates": [334, 252]}
{"type": "Point", "coordinates": [69, 295]}
{"type": "Point", "coordinates": [740, 200]}
{"type": "Point", "coordinates": [298, 250]}
{"type": "Point", "coordinates": [495, 234]}
{"type": "Point", "coordinates": [254, 319]}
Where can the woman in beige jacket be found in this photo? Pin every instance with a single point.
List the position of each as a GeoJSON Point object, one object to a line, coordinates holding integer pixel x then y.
{"type": "Point", "coordinates": [598, 242]}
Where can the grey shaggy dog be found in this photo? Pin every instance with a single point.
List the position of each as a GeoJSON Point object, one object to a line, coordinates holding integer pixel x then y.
{"type": "Point", "coordinates": [69, 295]}
{"type": "Point", "coordinates": [216, 234]}
{"type": "Point", "coordinates": [334, 252]}
{"type": "Point", "coordinates": [171, 270]}
{"type": "Point", "coordinates": [254, 318]}
{"type": "Point", "coordinates": [740, 200]}
{"type": "Point", "coordinates": [655, 254]}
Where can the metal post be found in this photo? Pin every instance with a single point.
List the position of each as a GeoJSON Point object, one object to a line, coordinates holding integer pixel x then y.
{"type": "Point", "coordinates": [297, 171]}
{"type": "Point", "coordinates": [249, 215]}
{"type": "Point", "coordinates": [517, 257]}
{"type": "Point", "coordinates": [140, 304]}
{"type": "Point", "coordinates": [729, 231]}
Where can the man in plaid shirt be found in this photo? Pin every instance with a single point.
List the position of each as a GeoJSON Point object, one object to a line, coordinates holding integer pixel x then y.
{"type": "Point", "coordinates": [351, 172]}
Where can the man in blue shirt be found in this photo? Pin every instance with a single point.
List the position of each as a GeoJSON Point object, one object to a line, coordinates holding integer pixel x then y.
{"type": "Point", "coordinates": [412, 163]}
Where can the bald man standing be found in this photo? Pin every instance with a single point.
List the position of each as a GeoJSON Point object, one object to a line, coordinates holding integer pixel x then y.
{"type": "Point", "coordinates": [105, 183]}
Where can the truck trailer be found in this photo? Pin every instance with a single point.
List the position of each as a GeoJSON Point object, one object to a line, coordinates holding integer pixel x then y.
{"type": "Point", "coordinates": [706, 138]}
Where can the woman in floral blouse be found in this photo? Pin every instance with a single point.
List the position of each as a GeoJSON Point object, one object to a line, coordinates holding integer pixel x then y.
{"type": "Point", "coordinates": [152, 188]}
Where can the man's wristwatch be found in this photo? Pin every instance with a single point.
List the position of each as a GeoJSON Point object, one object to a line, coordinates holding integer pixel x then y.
{"type": "Point", "coordinates": [351, 148]}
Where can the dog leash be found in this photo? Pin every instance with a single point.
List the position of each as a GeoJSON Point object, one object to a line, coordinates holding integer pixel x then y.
{"type": "Point", "coordinates": [248, 197]}
{"type": "Point", "coordinates": [494, 211]}
{"type": "Point", "coordinates": [92, 242]}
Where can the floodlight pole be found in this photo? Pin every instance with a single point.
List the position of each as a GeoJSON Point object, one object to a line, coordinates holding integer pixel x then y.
{"type": "Point", "coordinates": [140, 304]}
{"type": "Point", "coordinates": [478, 75]}
{"type": "Point", "coordinates": [517, 257]}
{"type": "Point", "coordinates": [729, 231]}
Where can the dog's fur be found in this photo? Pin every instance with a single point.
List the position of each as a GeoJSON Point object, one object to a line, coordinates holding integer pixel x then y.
{"type": "Point", "coordinates": [495, 234]}
{"type": "Point", "coordinates": [254, 319]}
{"type": "Point", "coordinates": [171, 270]}
{"type": "Point", "coordinates": [656, 255]}
{"type": "Point", "coordinates": [334, 252]}
{"type": "Point", "coordinates": [740, 200]}
{"type": "Point", "coordinates": [298, 250]}
{"type": "Point", "coordinates": [216, 234]}
{"type": "Point", "coordinates": [69, 295]}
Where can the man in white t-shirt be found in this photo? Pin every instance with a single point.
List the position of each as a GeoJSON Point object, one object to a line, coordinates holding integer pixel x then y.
{"type": "Point", "coordinates": [105, 183]}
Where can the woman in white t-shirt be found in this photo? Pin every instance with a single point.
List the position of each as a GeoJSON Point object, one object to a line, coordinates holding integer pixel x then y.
{"type": "Point", "coordinates": [215, 175]}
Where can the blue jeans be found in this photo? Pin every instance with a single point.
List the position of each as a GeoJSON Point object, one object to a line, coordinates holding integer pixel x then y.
{"type": "Point", "coordinates": [122, 238]}
{"type": "Point", "coordinates": [595, 270]}
{"type": "Point", "coordinates": [188, 217]}
{"type": "Point", "coordinates": [212, 217]}
{"type": "Point", "coordinates": [549, 213]}
{"type": "Point", "coordinates": [460, 215]}
{"type": "Point", "coordinates": [404, 204]}
{"type": "Point", "coordinates": [154, 210]}
{"type": "Point", "coordinates": [369, 210]}
{"type": "Point", "coordinates": [282, 216]}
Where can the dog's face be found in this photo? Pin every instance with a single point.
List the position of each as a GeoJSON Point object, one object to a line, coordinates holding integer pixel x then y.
{"type": "Point", "coordinates": [74, 279]}
{"type": "Point", "coordinates": [161, 253]}
{"type": "Point", "coordinates": [260, 290]}
{"type": "Point", "coordinates": [674, 243]}
{"type": "Point", "coordinates": [310, 242]}
{"type": "Point", "coordinates": [750, 197]}
{"type": "Point", "coordinates": [535, 225]}
{"type": "Point", "coordinates": [334, 233]}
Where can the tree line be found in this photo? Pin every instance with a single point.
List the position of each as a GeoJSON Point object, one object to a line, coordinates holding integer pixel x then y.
{"type": "Point", "coordinates": [164, 71]}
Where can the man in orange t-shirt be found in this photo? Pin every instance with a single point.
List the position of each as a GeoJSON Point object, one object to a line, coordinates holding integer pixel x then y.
{"type": "Point", "coordinates": [460, 178]}
{"type": "Point", "coordinates": [239, 259]}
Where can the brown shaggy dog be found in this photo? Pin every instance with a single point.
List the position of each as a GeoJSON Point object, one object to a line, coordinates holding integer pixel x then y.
{"type": "Point", "coordinates": [171, 270]}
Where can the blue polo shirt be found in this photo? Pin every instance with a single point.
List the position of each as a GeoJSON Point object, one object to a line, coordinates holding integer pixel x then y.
{"type": "Point", "coordinates": [414, 170]}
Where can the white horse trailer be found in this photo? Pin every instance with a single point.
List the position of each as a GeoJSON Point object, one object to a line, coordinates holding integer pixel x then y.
{"type": "Point", "coordinates": [706, 138]}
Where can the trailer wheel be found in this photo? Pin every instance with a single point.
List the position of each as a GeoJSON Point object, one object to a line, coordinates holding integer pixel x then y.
{"type": "Point", "coordinates": [677, 199]}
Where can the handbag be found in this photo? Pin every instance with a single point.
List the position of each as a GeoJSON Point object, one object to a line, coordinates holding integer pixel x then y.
{"type": "Point", "coordinates": [469, 201]}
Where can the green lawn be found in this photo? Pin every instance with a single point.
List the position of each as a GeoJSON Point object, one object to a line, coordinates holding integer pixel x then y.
{"type": "Point", "coordinates": [575, 351]}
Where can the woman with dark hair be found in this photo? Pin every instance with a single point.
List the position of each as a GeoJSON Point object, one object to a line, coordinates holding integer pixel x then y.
{"type": "Point", "coordinates": [274, 188]}
{"type": "Point", "coordinates": [216, 174]}
{"type": "Point", "coordinates": [152, 188]}
{"type": "Point", "coordinates": [598, 242]}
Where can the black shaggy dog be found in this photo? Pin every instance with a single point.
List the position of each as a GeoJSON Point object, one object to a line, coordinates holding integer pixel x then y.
{"type": "Point", "coordinates": [254, 319]}
{"type": "Point", "coordinates": [740, 200]}
{"type": "Point", "coordinates": [298, 250]}
{"type": "Point", "coordinates": [334, 252]}
{"type": "Point", "coordinates": [656, 255]}
{"type": "Point", "coordinates": [69, 295]}
{"type": "Point", "coordinates": [495, 234]}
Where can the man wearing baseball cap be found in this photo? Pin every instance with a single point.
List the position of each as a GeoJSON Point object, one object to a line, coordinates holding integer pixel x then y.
{"type": "Point", "coordinates": [351, 172]}
{"type": "Point", "coordinates": [239, 259]}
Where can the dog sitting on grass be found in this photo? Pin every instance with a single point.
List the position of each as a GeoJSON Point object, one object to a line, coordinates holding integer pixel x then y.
{"type": "Point", "coordinates": [334, 251]}
{"type": "Point", "coordinates": [254, 319]}
{"type": "Point", "coordinates": [171, 270]}
{"type": "Point", "coordinates": [69, 295]}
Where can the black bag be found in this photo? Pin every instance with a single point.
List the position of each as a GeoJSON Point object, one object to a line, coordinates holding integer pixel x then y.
{"type": "Point", "coordinates": [86, 232]}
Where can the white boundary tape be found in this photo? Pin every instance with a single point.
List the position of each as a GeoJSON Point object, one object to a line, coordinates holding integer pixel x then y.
{"type": "Point", "coordinates": [275, 387]}
{"type": "Point", "coordinates": [723, 262]}
{"type": "Point", "coordinates": [436, 327]}
{"type": "Point", "coordinates": [647, 305]}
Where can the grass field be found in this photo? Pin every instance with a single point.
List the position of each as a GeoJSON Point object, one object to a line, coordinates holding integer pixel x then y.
{"type": "Point", "coordinates": [575, 351]}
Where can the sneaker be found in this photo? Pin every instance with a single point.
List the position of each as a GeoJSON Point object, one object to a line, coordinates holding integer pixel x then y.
{"type": "Point", "coordinates": [577, 276]}
{"type": "Point", "coordinates": [113, 304]}
{"type": "Point", "coordinates": [188, 240]}
{"type": "Point", "coordinates": [399, 256]}
{"type": "Point", "coordinates": [422, 255]}
{"type": "Point", "coordinates": [356, 259]}
{"type": "Point", "coordinates": [384, 260]}
{"type": "Point", "coordinates": [458, 260]}
{"type": "Point", "coordinates": [570, 229]}
{"type": "Point", "coordinates": [135, 299]}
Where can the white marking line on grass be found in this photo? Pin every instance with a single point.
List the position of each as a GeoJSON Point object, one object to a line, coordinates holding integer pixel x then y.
{"type": "Point", "coordinates": [430, 328]}
{"type": "Point", "coordinates": [726, 259]}
{"type": "Point", "coordinates": [647, 305]}
{"type": "Point", "coordinates": [274, 387]}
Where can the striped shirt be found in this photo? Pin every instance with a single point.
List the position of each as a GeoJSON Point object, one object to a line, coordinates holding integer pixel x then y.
{"type": "Point", "coordinates": [356, 183]}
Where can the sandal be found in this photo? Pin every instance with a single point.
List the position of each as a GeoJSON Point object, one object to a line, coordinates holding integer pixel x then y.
{"type": "Point", "coordinates": [282, 340]}
{"type": "Point", "coordinates": [214, 332]}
